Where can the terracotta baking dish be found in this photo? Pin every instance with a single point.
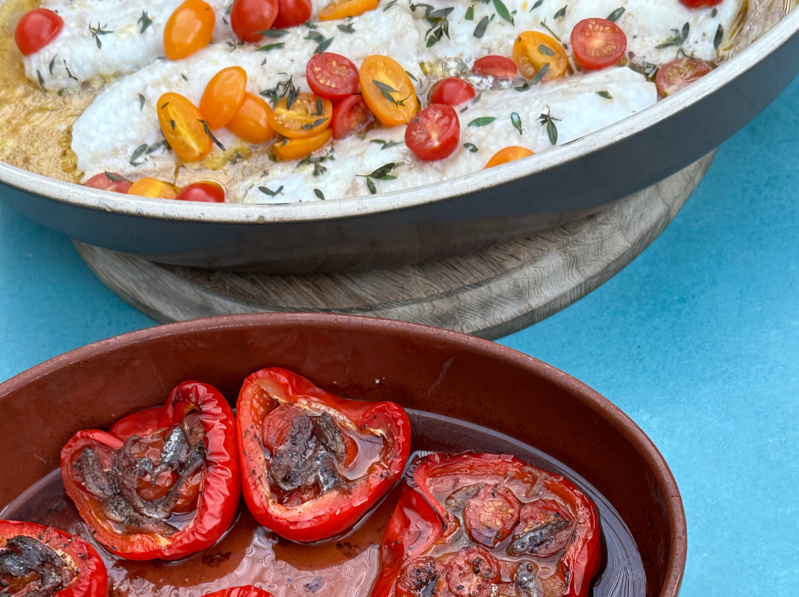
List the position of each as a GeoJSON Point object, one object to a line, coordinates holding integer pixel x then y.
{"type": "Point", "coordinates": [420, 367]}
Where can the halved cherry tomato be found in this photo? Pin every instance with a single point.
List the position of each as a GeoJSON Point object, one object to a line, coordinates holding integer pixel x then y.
{"type": "Point", "coordinates": [472, 572]}
{"type": "Point", "coordinates": [351, 116]}
{"type": "Point", "coordinates": [188, 29]}
{"type": "Point", "coordinates": [532, 51]}
{"type": "Point", "coordinates": [387, 90]}
{"type": "Point", "coordinates": [598, 43]}
{"type": "Point", "coordinates": [332, 76]}
{"type": "Point", "coordinates": [307, 116]}
{"type": "Point", "coordinates": [295, 149]}
{"type": "Point", "coordinates": [183, 128]}
{"type": "Point", "coordinates": [508, 154]}
{"type": "Point", "coordinates": [291, 13]}
{"type": "Point", "coordinates": [452, 91]}
{"type": "Point", "coordinates": [206, 192]}
{"type": "Point", "coordinates": [250, 123]}
{"type": "Point", "coordinates": [434, 133]}
{"type": "Point", "coordinates": [491, 515]}
{"type": "Point", "coordinates": [495, 66]}
{"type": "Point", "coordinates": [700, 3]}
{"type": "Point", "coordinates": [680, 73]}
{"type": "Point", "coordinates": [249, 17]}
{"type": "Point", "coordinates": [341, 9]}
{"type": "Point", "coordinates": [152, 187]}
{"type": "Point", "coordinates": [36, 29]}
{"type": "Point", "coordinates": [223, 96]}
{"type": "Point", "coordinates": [109, 181]}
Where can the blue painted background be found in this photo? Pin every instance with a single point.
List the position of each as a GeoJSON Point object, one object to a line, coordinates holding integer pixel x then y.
{"type": "Point", "coordinates": [697, 340]}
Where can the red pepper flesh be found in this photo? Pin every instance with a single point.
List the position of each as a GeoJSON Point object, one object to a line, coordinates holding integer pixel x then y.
{"type": "Point", "coordinates": [194, 412]}
{"type": "Point", "coordinates": [274, 409]}
{"type": "Point", "coordinates": [246, 591]}
{"type": "Point", "coordinates": [79, 573]}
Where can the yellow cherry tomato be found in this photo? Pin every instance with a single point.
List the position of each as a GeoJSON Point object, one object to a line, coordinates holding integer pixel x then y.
{"type": "Point", "coordinates": [250, 123]}
{"type": "Point", "coordinates": [152, 187]}
{"type": "Point", "coordinates": [188, 29]}
{"type": "Point", "coordinates": [307, 116]}
{"type": "Point", "coordinates": [183, 128]}
{"type": "Point", "coordinates": [341, 9]}
{"type": "Point", "coordinates": [223, 95]}
{"type": "Point", "coordinates": [387, 90]}
{"type": "Point", "coordinates": [533, 50]}
{"type": "Point", "coordinates": [508, 154]}
{"type": "Point", "coordinates": [295, 149]}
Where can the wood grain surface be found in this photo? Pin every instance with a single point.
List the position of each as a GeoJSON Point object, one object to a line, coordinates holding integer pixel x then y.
{"type": "Point", "coordinates": [489, 294]}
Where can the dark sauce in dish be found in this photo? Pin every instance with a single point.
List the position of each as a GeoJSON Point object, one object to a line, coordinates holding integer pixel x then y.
{"type": "Point", "coordinates": [342, 567]}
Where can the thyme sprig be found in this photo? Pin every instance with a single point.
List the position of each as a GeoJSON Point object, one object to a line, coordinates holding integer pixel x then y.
{"type": "Point", "coordinates": [145, 21]}
{"type": "Point", "coordinates": [677, 38]}
{"type": "Point", "coordinates": [97, 32]}
{"type": "Point", "coordinates": [549, 121]}
{"type": "Point", "coordinates": [382, 173]}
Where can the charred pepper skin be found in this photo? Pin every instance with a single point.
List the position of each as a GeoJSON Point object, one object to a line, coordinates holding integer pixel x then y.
{"type": "Point", "coordinates": [420, 521]}
{"type": "Point", "coordinates": [26, 548]}
{"type": "Point", "coordinates": [205, 444]}
{"type": "Point", "coordinates": [338, 507]}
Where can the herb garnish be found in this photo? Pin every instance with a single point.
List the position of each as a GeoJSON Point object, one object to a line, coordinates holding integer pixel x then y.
{"type": "Point", "coordinates": [548, 121]}
{"type": "Point", "coordinates": [319, 194]}
{"type": "Point", "coordinates": [137, 153]}
{"type": "Point", "coordinates": [604, 94]}
{"type": "Point", "coordinates": [482, 121]}
{"type": "Point", "coordinates": [649, 70]}
{"type": "Point", "coordinates": [141, 102]}
{"type": "Point", "coordinates": [97, 32]}
{"type": "Point", "coordinates": [536, 5]}
{"type": "Point", "coordinates": [387, 90]}
{"type": "Point", "coordinates": [540, 74]}
{"type": "Point", "coordinates": [439, 25]}
{"type": "Point", "coordinates": [616, 14]}
{"type": "Point", "coordinates": [69, 72]}
{"type": "Point", "coordinates": [545, 50]}
{"type": "Point", "coordinates": [382, 173]}
{"type": "Point", "coordinates": [210, 134]}
{"type": "Point", "coordinates": [471, 147]}
{"type": "Point", "coordinates": [517, 122]}
{"type": "Point", "coordinates": [469, 16]}
{"type": "Point", "coordinates": [719, 37]}
{"type": "Point", "coordinates": [481, 27]}
{"type": "Point", "coordinates": [348, 28]}
{"type": "Point", "coordinates": [386, 144]}
{"type": "Point", "coordinates": [269, 47]}
{"type": "Point", "coordinates": [318, 168]}
{"type": "Point", "coordinates": [41, 79]}
{"type": "Point", "coordinates": [545, 26]}
{"type": "Point", "coordinates": [502, 11]}
{"type": "Point", "coordinates": [283, 89]}
{"type": "Point", "coordinates": [145, 21]}
{"type": "Point", "coordinates": [561, 12]}
{"type": "Point", "coordinates": [273, 33]}
{"type": "Point", "coordinates": [677, 39]}
{"type": "Point", "coordinates": [389, 5]}
{"type": "Point", "coordinates": [52, 63]}
{"type": "Point", "coordinates": [312, 125]}
{"type": "Point", "coordinates": [114, 177]}
{"type": "Point", "coordinates": [270, 192]}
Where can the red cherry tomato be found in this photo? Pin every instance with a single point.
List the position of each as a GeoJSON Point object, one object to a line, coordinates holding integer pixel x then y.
{"type": "Point", "coordinates": [249, 17]}
{"type": "Point", "coordinates": [472, 572]}
{"type": "Point", "coordinates": [36, 29]}
{"type": "Point", "coordinates": [495, 66]}
{"type": "Point", "coordinates": [598, 43]}
{"type": "Point", "coordinates": [451, 91]}
{"type": "Point", "coordinates": [433, 133]}
{"type": "Point", "coordinates": [700, 3]}
{"type": "Point", "coordinates": [206, 192]}
{"type": "Point", "coordinates": [491, 514]}
{"type": "Point", "coordinates": [109, 181]}
{"type": "Point", "coordinates": [331, 76]}
{"type": "Point", "coordinates": [351, 116]}
{"type": "Point", "coordinates": [291, 13]}
{"type": "Point", "coordinates": [680, 73]}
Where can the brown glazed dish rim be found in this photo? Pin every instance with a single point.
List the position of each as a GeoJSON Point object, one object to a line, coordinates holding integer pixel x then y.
{"type": "Point", "coordinates": [597, 404]}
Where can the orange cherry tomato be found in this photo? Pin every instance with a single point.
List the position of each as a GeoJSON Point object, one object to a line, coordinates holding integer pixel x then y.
{"type": "Point", "coordinates": [307, 116]}
{"type": "Point", "coordinates": [341, 9]}
{"type": "Point", "coordinates": [680, 73]}
{"type": "Point", "coordinates": [152, 187]}
{"type": "Point", "coordinates": [508, 154]}
{"type": "Point", "coordinates": [183, 128]}
{"type": "Point", "coordinates": [433, 133]}
{"type": "Point", "coordinates": [223, 95]}
{"type": "Point", "coordinates": [109, 181]}
{"type": "Point", "coordinates": [249, 17]}
{"type": "Point", "coordinates": [294, 149]}
{"type": "Point", "coordinates": [350, 116]}
{"type": "Point", "coordinates": [452, 91]}
{"type": "Point", "coordinates": [495, 66]}
{"type": "Point", "coordinates": [291, 13]}
{"type": "Point", "coordinates": [598, 43]}
{"type": "Point", "coordinates": [250, 123]}
{"type": "Point", "coordinates": [206, 192]}
{"type": "Point", "coordinates": [188, 29]}
{"type": "Point", "coordinates": [36, 29]}
{"type": "Point", "coordinates": [332, 76]}
{"type": "Point", "coordinates": [533, 50]}
{"type": "Point", "coordinates": [387, 90]}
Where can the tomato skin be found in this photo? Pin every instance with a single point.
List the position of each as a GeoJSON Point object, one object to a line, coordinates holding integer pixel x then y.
{"type": "Point", "coordinates": [598, 43]}
{"type": "Point", "coordinates": [246, 591]}
{"type": "Point", "coordinates": [700, 3]}
{"type": "Point", "coordinates": [206, 192]}
{"type": "Point", "coordinates": [434, 133]}
{"type": "Point", "coordinates": [153, 188]}
{"type": "Point", "coordinates": [452, 91]}
{"type": "Point", "coordinates": [387, 71]}
{"type": "Point", "coordinates": [182, 125]}
{"type": "Point", "coordinates": [117, 183]}
{"type": "Point", "coordinates": [188, 29]}
{"type": "Point", "coordinates": [508, 154]}
{"type": "Point", "coordinates": [350, 117]}
{"type": "Point", "coordinates": [302, 119]}
{"type": "Point", "coordinates": [291, 13]}
{"type": "Point", "coordinates": [530, 59]}
{"type": "Point", "coordinates": [295, 149]}
{"type": "Point", "coordinates": [36, 29]}
{"type": "Point", "coordinates": [471, 572]}
{"type": "Point", "coordinates": [223, 96]}
{"type": "Point", "coordinates": [331, 76]}
{"type": "Point", "coordinates": [491, 514]}
{"type": "Point", "coordinates": [678, 74]}
{"type": "Point", "coordinates": [248, 17]}
{"type": "Point", "coordinates": [341, 9]}
{"type": "Point", "coordinates": [250, 123]}
{"type": "Point", "coordinates": [495, 66]}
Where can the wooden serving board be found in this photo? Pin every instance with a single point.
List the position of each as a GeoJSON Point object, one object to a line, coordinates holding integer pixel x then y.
{"type": "Point", "coordinates": [489, 294]}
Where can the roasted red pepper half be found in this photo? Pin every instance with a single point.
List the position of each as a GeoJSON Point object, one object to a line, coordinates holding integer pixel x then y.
{"type": "Point", "coordinates": [485, 525]}
{"type": "Point", "coordinates": [43, 561]}
{"type": "Point", "coordinates": [163, 482]}
{"type": "Point", "coordinates": [314, 463]}
{"type": "Point", "coordinates": [246, 591]}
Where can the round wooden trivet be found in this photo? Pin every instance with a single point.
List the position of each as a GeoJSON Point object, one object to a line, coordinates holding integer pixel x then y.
{"type": "Point", "coordinates": [489, 294]}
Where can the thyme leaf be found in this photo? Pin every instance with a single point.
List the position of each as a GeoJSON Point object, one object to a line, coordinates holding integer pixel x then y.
{"type": "Point", "coordinates": [540, 74]}
{"type": "Point", "coordinates": [97, 32]}
{"type": "Point", "coordinates": [616, 14]}
{"type": "Point", "coordinates": [719, 37]}
{"type": "Point", "coordinates": [561, 12]}
{"type": "Point", "coordinates": [471, 147]}
{"type": "Point", "coordinates": [145, 21]}
{"type": "Point", "coordinates": [270, 192]}
{"type": "Point", "coordinates": [502, 11]}
{"type": "Point", "coordinates": [536, 5]}
{"type": "Point", "coordinates": [517, 122]}
{"type": "Point", "coordinates": [210, 134]}
{"type": "Point", "coordinates": [269, 47]}
{"type": "Point", "coordinates": [348, 28]}
{"type": "Point", "coordinates": [319, 194]}
{"type": "Point", "coordinates": [482, 121]}
{"type": "Point", "coordinates": [546, 51]}
{"type": "Point", "coordinates": [604, 94]}
{"type": "Point", "coordinates": [137, 153]}
{"type": "Point", "coordinates": [677, 39]}
{"type": "Point", "coordinates": [481, 27]}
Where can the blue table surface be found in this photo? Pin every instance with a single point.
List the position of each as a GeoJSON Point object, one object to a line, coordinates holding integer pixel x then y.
{"type": "Point", "coordinates": [697, 340]}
